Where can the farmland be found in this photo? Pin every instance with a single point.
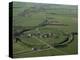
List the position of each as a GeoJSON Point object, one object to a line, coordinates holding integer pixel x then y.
{"type": "Point", "coordinates": [44, 29]}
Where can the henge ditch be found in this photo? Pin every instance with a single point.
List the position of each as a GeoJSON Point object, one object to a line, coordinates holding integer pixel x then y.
{"type": "Point", "coordinates": [65, 42]}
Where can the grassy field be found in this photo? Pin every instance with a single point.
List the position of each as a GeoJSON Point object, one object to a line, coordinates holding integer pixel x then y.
{"type": "Point", "coordinates": [42, 19]}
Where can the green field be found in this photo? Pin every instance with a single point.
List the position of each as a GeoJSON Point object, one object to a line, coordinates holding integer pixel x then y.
{"type": "Point", "coordinates": [44, 29]}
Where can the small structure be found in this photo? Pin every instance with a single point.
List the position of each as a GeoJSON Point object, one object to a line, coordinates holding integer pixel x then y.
{"type": "Point", "coordinates": [47, 35]}
{"type": "Point", "coordinates": [29, 35]}
{"type": "Point", "coordinates": [34, 49]}
{"type": "Point", "coordinates": [50, 34]}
